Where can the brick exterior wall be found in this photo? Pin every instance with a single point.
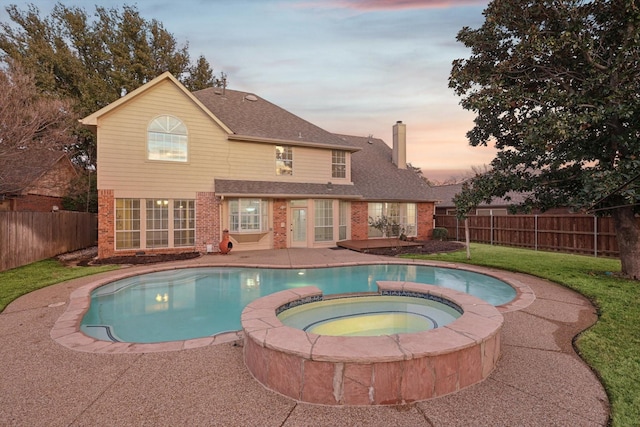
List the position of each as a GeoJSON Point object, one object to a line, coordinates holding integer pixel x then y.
{"type": "Point", "coordinates": [425, 220]}
{"type": "Point", "coordinates": [36, 203]}
{"type": "Point", "coordinates": [279, 218]}
{"type": "Point", "coordinates": [207, 226]}
{"type": "Point", "coordinates": [359, 220]}
{"type": "Point", "coordinates": [207, 221]}
{"type": "Point", "coordinates": [106, 225]}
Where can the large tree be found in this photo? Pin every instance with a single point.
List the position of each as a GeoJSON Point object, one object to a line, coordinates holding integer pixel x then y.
{"type": "Point", "coordinates": [31, 125]}
{"type": "Point", "coordinates": [95, 60]}
{"type": "Point", "coordinates": [555, 85]}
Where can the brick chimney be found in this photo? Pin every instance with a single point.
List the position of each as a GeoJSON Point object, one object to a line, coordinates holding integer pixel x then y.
{"type": "Point", "coordinates": [400, 145]}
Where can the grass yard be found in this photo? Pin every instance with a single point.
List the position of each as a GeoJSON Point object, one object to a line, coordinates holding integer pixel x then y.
{"type": "Point", "coordinates": [22, 280]}
{"type": "Point", "coordinates": [612, 346]}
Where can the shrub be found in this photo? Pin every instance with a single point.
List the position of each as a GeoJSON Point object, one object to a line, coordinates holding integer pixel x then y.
{"type": "Point", "coordinates": [440, 233]}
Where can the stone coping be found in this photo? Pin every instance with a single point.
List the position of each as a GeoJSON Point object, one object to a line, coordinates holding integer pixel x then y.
{"type": "Point", "coordinates": [66, 330]}
{"type": "Point", "coordinates": [479, 321]}
{"type": "Point", "coordinates": [371, 370]}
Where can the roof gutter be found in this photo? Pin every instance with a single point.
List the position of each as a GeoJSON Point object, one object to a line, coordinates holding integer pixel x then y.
{"type": "Point", "coordinates": [290, 196]}
{"type": "Point", "coordinates": [248, 138]}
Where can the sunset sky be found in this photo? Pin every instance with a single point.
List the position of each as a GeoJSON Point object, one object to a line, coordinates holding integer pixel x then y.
{"type": "Point", "coordinates": [348, 66]}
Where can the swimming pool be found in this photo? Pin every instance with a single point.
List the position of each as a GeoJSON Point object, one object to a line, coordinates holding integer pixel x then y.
{"type": "Point", "coordinates": [198, 302]}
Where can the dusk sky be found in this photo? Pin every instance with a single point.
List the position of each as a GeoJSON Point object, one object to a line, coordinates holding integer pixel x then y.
{"type": "Point", "coordinates": [349, 66]}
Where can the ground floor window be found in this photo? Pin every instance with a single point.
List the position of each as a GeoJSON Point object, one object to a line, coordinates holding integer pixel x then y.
{"type": "Point", "coordinates": [343, 218]}
{"type": "Point", "coordinates": [157, 223]}
{"type": "Point", "coordinates": [163, 223]}
{"type": "Point", "coordinates": [127, 223]}
{"type": "Point", "coordinates": [248, 215]}
{"type": "Point", "coordinates": [184, 222]}
{"type": "Point", "coordinates": [392, 219]}
{"type": "Point", "coordinates": [323, 220]}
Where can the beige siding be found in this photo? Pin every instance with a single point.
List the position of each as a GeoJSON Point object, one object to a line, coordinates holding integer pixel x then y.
{"type": "Point", "coordinates": [123, 164]}
{"type": "Point", "coordinates": [257, 162]}
{"type": "Point", "coordinates": [122, 136]}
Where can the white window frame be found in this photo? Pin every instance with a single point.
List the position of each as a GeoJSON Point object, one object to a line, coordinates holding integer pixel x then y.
{"type": "Point", "coordinates": [323, 220]}
{"type": "Point", "coordinates": [167, 140]}
{"type": "Point", "coordinates": [343, 219]}
{"type": "Point", "coordinates": [404, 214]}
{"type": "Point", "coordinates": [338, 164]}
{"type": "Point", "coordinates": [157, 223]}
{"type": "Point", "coordinates": [136, 223]}
{"type": "Point", "coordinates": [244, 220]}
{"type": "Point", "coordinates": [284, 160]}
{"type": "Point", "coordinates": [128, 222]}
{"type": "Point", "coordinates": [184, 222]}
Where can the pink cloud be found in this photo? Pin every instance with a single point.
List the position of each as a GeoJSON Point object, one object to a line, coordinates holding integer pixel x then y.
{"type": "Point", "coordinates": [392, 4]}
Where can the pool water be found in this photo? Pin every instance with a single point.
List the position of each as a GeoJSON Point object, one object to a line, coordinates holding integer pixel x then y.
{"type": "Point", "coordinates": [198, 302]}
{"type": "Point", "coordinates": [369, 316]}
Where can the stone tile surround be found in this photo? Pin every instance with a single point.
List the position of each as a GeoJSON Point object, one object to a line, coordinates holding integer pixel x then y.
{"type": "Point", "coordinates": [375, 370]}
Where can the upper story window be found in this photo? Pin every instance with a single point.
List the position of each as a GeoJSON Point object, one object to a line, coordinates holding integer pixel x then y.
{"type": "Point", "coordinates": [284, 160]}
{"type": "Point", "coordinates": [167, 139]}
{"type": "Point", "coordinates": [338, 164]}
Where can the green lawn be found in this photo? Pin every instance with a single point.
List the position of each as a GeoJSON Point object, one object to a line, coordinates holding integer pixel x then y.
{"type": "Point", "coordinates": [612, 346]}
{"type": "Point", "coordinates": [22, 280]}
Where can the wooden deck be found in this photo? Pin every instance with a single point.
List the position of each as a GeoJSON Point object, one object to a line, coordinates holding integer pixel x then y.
{"type": "Point", "coordinates": [364, 245]}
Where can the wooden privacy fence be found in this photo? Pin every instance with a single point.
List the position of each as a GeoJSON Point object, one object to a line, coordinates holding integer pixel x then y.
{"type": "Point", "coordinates": [581, 234]}
{"type": "Point", "coordinates": [26, 237]}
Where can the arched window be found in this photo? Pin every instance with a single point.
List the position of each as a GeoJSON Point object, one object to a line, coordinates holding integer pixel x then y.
{"type": "Point", "coordinates": [167, 139]}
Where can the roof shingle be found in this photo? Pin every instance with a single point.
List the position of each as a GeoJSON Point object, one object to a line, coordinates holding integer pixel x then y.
{"type": "Point", "coordinates": [444, 194]}
{"type": "Point", "coordinates": [246, 114]}
{"type": "Point", "coordinates": [251, 188]}
{"type": "Point", "coordinates": [377, 178]}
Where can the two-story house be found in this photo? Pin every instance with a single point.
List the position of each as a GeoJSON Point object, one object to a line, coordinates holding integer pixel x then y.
{"type": "Point", "coordinates": [177, 168]}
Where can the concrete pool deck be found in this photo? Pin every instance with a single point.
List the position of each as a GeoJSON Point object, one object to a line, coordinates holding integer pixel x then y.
{"type": "Point", "coordinates": [539, 380]}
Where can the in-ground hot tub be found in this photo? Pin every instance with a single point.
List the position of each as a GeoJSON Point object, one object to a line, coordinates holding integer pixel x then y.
{"type": "Point", "coordinates": [370, 315]}
{"type": "Point", "coordinates": [386, 369]}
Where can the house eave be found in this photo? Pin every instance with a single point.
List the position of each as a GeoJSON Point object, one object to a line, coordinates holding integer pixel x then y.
{"type": "Point", "coordinates": [249, 138]}
{"type": "Point", "coordinates": [289, 196]}
{"type": "Point", "coordinates": [91, 120]}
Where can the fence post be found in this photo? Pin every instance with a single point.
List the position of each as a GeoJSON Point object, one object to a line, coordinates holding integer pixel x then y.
{"type": "Point", "coordinates": [457, 230]}
{"type": "Point", "coordinates": [535, 232]}
{"type": "Point", "coordinates": [595, 236]}
{"type": "Point", "coordinates": [491, 228]}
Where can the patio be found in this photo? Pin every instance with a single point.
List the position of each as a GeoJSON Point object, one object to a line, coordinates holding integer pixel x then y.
{"type": "Point", "coordinates": [539, 379]}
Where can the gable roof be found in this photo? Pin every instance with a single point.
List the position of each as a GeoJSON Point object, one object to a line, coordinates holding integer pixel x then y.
{"type": "Point", "coordinates": [377, 178]}
{"type": "Point", "coordinates": [444, 194]}
{"type": "Point", "coordinates": [252, 118]}
{"type": "Point", "coordinates": [18, 176]}
{"type": "Point", "coordinates": [92, 119]}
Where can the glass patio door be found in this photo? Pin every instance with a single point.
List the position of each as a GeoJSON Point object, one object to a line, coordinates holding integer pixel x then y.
{"type": "Point", "coordinates": [298, 227]}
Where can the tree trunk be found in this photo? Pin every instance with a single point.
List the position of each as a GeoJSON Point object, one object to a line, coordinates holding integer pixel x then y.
{"type": "Point", "coordinates": [466, 237]}
{"type": "Point", "coordinates": [628, 235]}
